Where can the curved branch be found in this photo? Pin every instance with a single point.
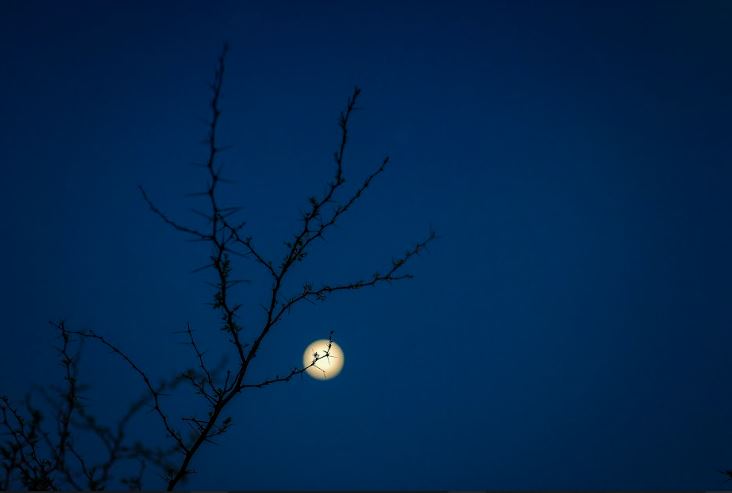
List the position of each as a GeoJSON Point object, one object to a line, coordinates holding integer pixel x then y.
{"type": "Point", "coordinates": [391, 275]}
{"type": "Point", "coordinates": [155, 394]}
{"type": "Point", "coordinates": [295, 371]}
{"type": "Point", "coordinates": [170, 222]}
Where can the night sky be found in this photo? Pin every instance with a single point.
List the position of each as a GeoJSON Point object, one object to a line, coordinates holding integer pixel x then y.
{"type": "Point", "coordinates": [570, 328]}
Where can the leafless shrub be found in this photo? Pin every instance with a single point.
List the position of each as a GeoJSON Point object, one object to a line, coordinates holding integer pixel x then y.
{"type": "Point", "coordinates": [40, 456]}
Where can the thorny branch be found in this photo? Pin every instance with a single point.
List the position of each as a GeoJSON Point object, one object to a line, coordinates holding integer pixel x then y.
{"type": "Point", "coordinates": [154, 393]}
{"type": "Point", "coordinates": [226, 239]}
{"type": "Point", "coordinates": [39, 459]}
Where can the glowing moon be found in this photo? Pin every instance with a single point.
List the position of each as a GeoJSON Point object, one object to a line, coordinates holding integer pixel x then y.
{"type": "Point", "coordinates": [326, 367]}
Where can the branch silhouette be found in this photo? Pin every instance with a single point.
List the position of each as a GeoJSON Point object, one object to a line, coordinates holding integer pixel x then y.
{"type": "Point", "coordinates": [36, 458]}
{"type": "Point", "coordinates": [63, 464]}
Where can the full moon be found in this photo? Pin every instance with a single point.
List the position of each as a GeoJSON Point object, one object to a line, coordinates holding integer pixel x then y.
{"type": "Point", "coordinates": [325, 368]}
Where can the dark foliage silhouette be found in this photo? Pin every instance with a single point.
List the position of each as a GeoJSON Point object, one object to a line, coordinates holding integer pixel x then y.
{"type": "Point", "coordinates": [39, 448]}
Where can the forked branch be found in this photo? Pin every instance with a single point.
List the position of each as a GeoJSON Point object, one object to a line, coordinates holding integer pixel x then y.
{"type": "Point", "coordinates": [227, 240]}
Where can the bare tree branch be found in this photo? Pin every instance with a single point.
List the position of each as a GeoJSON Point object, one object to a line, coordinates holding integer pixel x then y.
{"type": "Point", "coordinates": [154, 393]}
{"type": "Point", "coordinates": [308, 292]}
{"type": "Point", "coordinates": [295, 371]}
{"type": "Point", "coordinates": [167, 220]}
{"type": "Point", "coordinates": [21, 457]}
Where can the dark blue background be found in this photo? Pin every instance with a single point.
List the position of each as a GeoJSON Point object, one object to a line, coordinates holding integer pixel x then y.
{"type": "Point", "coordinates": [571, 327]}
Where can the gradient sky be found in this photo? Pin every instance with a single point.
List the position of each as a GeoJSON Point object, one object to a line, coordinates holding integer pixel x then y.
{"type": "Point", "coordinates": [570, 328]}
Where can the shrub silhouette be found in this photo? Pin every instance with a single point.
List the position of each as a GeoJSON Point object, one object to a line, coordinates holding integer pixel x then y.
{"type": "Point", "coordinates": [40, 452]}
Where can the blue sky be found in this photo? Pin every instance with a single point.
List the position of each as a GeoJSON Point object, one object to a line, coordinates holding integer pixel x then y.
{"type": "Point", "coordinates": [569, 329]}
